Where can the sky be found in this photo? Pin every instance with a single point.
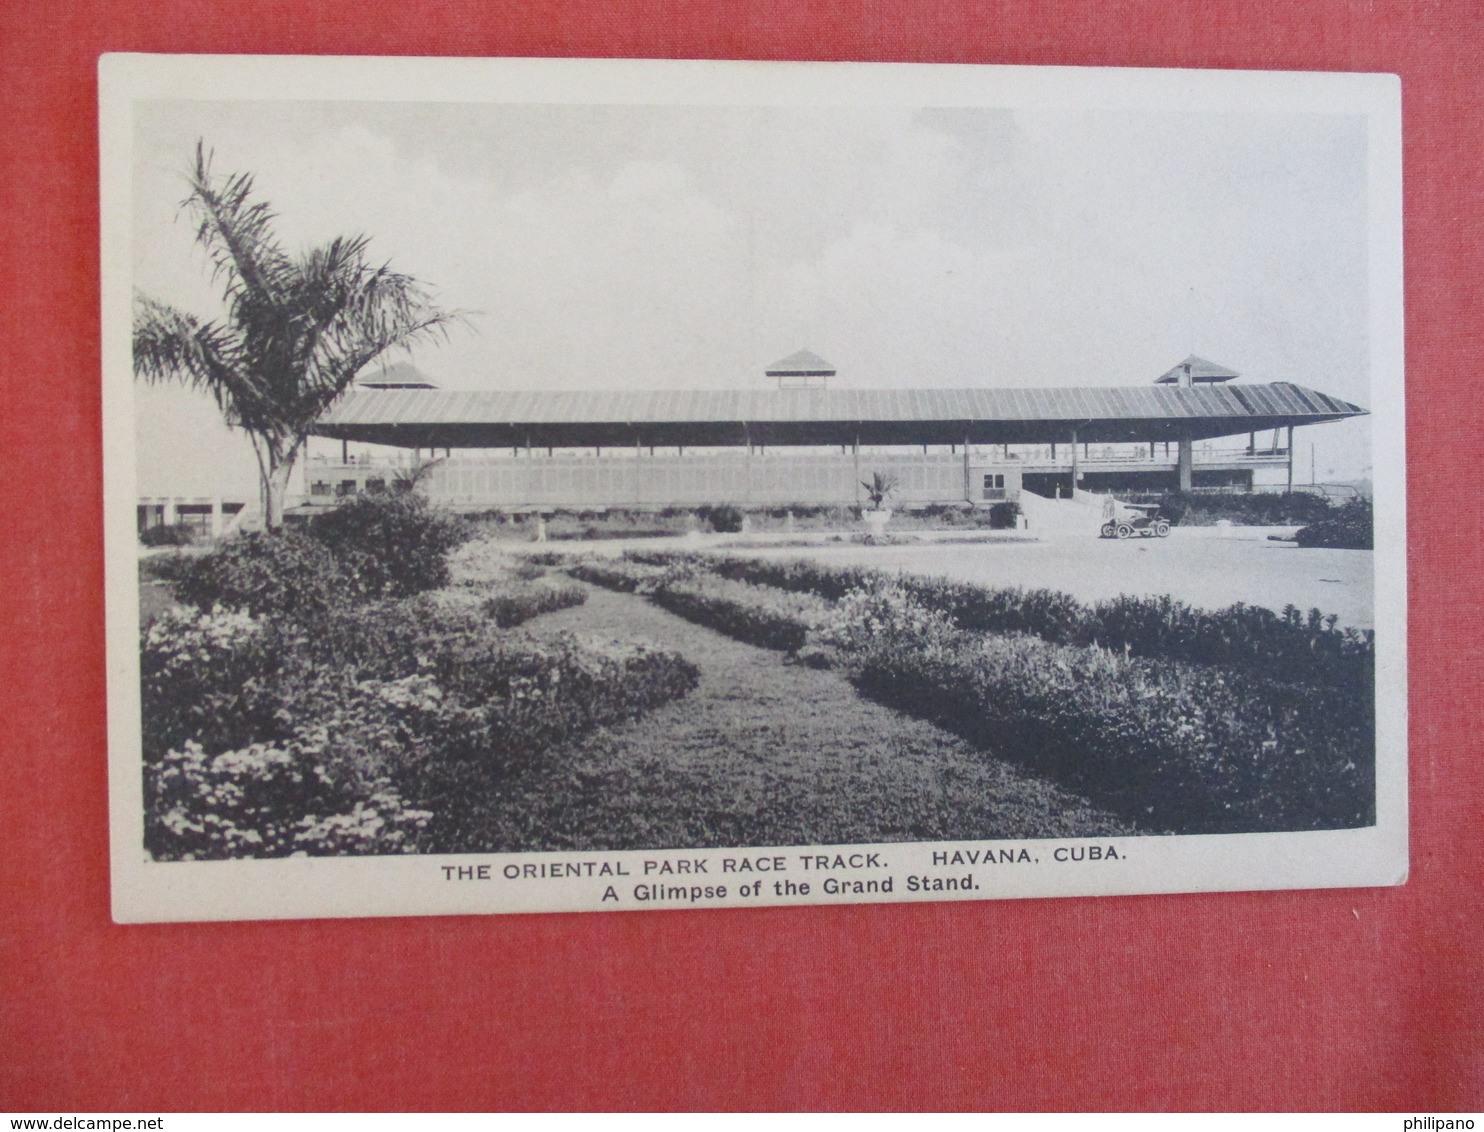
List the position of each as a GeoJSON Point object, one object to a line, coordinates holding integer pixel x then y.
{"type": "Point", "coordinates": [652, 247]}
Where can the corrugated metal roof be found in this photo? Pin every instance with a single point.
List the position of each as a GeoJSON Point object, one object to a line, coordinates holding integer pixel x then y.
{"type": "Point", "coordinates": [1211, 410]}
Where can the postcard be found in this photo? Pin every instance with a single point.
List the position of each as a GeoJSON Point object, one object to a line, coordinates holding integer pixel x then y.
{"type": "Point", "coordinates": [583, 485]}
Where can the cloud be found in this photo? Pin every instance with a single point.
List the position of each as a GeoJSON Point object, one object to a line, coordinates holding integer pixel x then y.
{"type": "Point", "coordinates": [689, 246]}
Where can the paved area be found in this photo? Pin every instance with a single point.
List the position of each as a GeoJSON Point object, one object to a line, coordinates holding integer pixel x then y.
{"type": "Point", "coordinates": [1208, 567]}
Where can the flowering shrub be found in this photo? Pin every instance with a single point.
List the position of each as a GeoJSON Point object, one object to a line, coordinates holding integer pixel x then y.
{"type": "Point", "coordinates": [269, 801]}
{"type": "Point", "coordinates": [287, 575]}
{"type": "Point", "coordinates": [390, 545]}
{"type": "Point", "coordinates": [755, 614]}
{"type": "Point", "coordinates": [212, 677]}
{"type": "Point", "coordinates": [263, 739]}
{"type": "Point", "coordinates": [513, 606]}
{"type": "Point", "coordinates": [881, 618]}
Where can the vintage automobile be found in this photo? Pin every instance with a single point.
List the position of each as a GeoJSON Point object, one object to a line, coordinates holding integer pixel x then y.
{"type": "Point", "coordinates": [1140, 519]}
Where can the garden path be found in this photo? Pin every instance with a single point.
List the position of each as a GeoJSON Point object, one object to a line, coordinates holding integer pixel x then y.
{"type": "Point", "coordinates": [761, 753]}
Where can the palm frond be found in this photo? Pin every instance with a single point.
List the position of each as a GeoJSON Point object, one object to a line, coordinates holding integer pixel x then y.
{"type": "Point", "coordinates": [297, 330]}
{"type": "Point", "coordinates": [237, 233]}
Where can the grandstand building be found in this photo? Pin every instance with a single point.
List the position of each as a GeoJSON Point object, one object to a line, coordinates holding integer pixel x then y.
{"type": "Point", "coordinates": [801, 441]}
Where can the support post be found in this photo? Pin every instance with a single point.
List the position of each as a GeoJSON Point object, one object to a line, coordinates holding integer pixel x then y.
{"type": "Point", "coordinates": [855, 452]}
{"type": "Point", "coordinates": [345, 452]}
{"type": "Point", "coordinates": [1186, 464]}
{"type": "Point", "coordinates": [1074, 462]}
{"type": "Point", "coordinates": [1290, 459]}
{"type": "Point", "coordinates": [968, 486]}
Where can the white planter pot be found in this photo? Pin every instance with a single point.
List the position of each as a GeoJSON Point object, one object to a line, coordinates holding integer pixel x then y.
{"type": "Point", "coordinates": [876, 521]}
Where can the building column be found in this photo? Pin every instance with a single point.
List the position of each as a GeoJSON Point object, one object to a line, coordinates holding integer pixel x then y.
{"type": "Point", "coordinates": [1075, 473]}
{"type": "Point", "coordinates": [216, 517]}
{"type": "Point", "coordinates": [855, 452]}
{"type": "Point", "coordinates": [1290, 459]}
{"type": "Point", "coordinates": [968, 485]}
{"type": "Point", "coordinates": [168, 517]}
{"type": "Point", "coordinates": [1186, 464]}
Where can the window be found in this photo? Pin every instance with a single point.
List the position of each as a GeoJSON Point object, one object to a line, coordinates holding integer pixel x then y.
{"type": "Point", "coordinates": [319, 487]}
{"type": "Point", "coordinates": [994, 486]}
{"type": "Point", "coordinates": [375, 485]}
{"type": "Point", "coordinates": [345, 487]}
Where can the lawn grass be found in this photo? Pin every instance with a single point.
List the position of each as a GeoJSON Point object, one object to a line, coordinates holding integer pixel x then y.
{"type": "Point", "coordinates": [761, 753]}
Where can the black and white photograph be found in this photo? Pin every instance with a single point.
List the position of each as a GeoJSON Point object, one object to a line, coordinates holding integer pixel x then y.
{"type": "Point", "coordinates": [555, 485]}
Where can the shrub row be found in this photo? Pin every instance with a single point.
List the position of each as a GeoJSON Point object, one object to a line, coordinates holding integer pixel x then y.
{"type": "Point", "coordinates": [796, 575]}
{"type": "Point", "coordinates": [1291, 645]}
{"type": "Point", "coordinates": [626, 577]}
{"type": "Point", "coordinates": [1170, 745]}
{"type": "Point", "coordinates": [168, 534]}
{"type": "Point", "coordinates": [263, 738]}
{"type": "Point", "coordinates": [516, 605]}
{"type": "Point", "coordinates": [1348, 528]}
{"type": "Point", "coordinates": [758, 615]}
{"type": "Point", "coordinates": [1193, 509]}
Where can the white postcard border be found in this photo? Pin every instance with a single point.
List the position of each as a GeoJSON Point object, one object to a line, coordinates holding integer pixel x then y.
{"type": "Point", "coordinates": [148, 891]}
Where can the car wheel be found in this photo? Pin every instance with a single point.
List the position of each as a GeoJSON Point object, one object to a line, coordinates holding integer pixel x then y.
{"type": "Point", "coordinates": [1162, 530]}
{"type": "Point", "coordinates": [1107, 531]}
{"type": "Point", "coordinates": [1124, 530]}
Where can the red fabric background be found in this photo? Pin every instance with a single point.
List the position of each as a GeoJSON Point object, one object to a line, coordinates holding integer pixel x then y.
{"type": "Point", "coordinates": [1331, 1000]}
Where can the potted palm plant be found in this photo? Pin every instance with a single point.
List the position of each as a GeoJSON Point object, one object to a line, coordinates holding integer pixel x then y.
{"type": "Point", "coordinates": [880, 485]}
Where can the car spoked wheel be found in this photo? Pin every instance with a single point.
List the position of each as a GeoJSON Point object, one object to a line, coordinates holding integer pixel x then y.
{"type": "Point", "coordinates": [1162, 529]}
{"type": "Point", "coordinates": [1125, 531]}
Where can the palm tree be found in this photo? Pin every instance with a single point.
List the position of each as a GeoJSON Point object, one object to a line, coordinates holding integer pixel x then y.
{"type": "Point", "coordinates": [296, 330]}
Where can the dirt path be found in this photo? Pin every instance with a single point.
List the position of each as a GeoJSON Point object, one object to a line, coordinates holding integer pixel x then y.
{"type": "Point", "coordinates": [761, 753]}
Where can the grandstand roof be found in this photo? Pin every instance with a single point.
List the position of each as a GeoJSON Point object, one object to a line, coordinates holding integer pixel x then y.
{"type": "Point", "coordinates": [485, 418]}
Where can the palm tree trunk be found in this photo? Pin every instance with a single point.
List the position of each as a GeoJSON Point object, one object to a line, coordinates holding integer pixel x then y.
{"type": "Point", "coordinates": [276, 486]}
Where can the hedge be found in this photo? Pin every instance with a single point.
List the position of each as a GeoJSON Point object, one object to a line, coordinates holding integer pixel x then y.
{"type": "Point", "coordinates": [1349, 527]}
{"type": "Point", "coordinates": [1291, 645]}
{"type": "Point", "coordinates": [516, 605]}
{"type": "Point", "coordinates": [1169, 745]}
{"type": "Point", "coordinates": [757, 615]}
{"type": "Point", "coordinates": [626, 577]}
